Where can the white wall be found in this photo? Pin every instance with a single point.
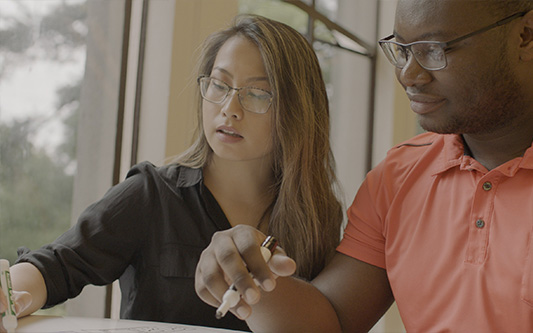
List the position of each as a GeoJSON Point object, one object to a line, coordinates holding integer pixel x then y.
{"type": "Point", "coordinates": [350, 101]}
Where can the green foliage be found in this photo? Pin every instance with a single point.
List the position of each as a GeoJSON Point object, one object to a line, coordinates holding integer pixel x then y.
{"type": "Point", "coordinates": [16, 38]}
{"type": "Point", "coordinates": [36, 183]}
{"type": "Point", "coordinates": [35, 193]}
{"type": "Point", "coordinates": [63, 30]}
{"type": "Point", "coordinates": [30, 35]}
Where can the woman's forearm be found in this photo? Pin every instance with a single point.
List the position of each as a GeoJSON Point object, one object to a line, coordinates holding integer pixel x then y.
{"type": "Point", "coordinates": [26, 277]}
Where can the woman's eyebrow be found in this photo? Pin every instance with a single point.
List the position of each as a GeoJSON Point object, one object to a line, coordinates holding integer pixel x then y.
{"type": "Point", "coordinates": [257, 78]}
{"type": "Point", "coordinates": [220, 69]}
{"type": "Point", "coordinates": [250, 79]}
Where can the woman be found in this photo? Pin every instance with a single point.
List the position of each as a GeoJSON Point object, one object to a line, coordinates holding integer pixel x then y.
{"type": "Point", "coordinates": [261, 157]}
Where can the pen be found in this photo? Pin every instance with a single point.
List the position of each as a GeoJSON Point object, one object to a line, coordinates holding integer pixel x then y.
{"type": "Point", "coordinates": [9, 317]}
{"type": "Point", "coordinates": [231, 296]}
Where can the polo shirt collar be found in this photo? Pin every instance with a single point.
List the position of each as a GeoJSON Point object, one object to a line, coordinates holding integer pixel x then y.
{"type": "Point", "coordinates": [452, 152]}
{"type": "Point", "coordinates": [527, 160]}
{"type": "Point", "coordinates": [454, 155]}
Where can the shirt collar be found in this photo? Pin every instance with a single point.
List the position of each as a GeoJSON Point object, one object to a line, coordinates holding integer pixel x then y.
{"type": "Point", "coordinates": [527, 160]}
{"type": "Point", "coordinates": [189, 177]}
{"type": "Point", "coordinates": [454, 155]}
{"type": "Point", "coordinates": [452, 152]}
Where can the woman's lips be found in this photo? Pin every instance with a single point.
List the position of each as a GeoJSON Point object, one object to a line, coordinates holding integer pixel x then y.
{"type": "Point", "coordinates": [228, 134]}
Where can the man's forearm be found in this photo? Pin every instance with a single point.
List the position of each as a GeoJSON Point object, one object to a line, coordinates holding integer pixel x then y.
{"type": "Point", "coordinates": [293, 306]}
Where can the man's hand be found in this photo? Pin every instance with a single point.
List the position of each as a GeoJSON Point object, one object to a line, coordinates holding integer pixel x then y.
{"type": "Point", "coordinates": [234, 256]}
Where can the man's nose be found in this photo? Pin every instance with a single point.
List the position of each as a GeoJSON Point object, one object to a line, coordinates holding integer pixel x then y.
{"type": "Point", "coordinates": [413, 74]}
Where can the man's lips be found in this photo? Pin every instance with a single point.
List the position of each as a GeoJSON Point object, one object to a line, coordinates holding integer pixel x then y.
{"type": "Point", "coordinates": [423, 103]}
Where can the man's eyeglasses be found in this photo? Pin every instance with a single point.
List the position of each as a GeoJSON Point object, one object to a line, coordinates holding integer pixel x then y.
{"type": "Point", "coordinates": [252, 99]}
{"type": "Point", "coordinates": [430, 55]}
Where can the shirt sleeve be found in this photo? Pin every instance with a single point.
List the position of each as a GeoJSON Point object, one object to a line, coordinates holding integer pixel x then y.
{"type": "Point", "coordinates": [99, 247]}
{"type": "Point", "coordinates": [364, 236]}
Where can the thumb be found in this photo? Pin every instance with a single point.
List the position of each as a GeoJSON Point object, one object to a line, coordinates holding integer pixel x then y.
{"type": "Point", "coordinates": [22, 300]}
{"type": "Point", "coordinates": [281, 265]}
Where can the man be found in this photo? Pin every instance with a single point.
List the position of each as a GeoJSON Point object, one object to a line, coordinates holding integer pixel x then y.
{"type": "Point", "coordinates": [444, 225]}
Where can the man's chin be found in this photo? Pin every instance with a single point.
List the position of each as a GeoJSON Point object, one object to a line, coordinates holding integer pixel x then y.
{"type": "Point", "coordinates": [437, 129]}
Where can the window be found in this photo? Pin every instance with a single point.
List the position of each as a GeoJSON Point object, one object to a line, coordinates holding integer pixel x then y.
{"type": "Point", "coordinates": [59, 93]}
{"type": "Point", "coordinates": [41, 70]}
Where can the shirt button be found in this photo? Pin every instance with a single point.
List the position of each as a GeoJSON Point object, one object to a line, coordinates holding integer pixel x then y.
{"type": "Point", "coordinates": [487, 186]}
{"type": "Point", "coordinates": [480, 223]}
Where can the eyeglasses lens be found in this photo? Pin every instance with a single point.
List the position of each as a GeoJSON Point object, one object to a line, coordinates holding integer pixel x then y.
{"type": "Point", "coordinates": [251, 99]}
{"type": "Point", "coordinates": [213, 90]}
{"type": "Point", "coordinates": [255, 100]}
{"type": "Point", "coordinates": [429, 55]}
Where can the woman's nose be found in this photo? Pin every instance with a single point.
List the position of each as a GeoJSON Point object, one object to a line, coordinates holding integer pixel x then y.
{"type": "Point", "coordinates": [231, 107]}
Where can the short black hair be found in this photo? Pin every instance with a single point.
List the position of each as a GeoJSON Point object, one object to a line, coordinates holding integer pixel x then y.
{"type": "Point", "coordinates": [509, 7]}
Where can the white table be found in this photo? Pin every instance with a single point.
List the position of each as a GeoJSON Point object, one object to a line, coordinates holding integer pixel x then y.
{"type": "Point", "coordinates": [46, 324]}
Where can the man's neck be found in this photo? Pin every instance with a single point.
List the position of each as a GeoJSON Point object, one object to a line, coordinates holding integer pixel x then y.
{"type": "Point", "coordinates": [492, 150]}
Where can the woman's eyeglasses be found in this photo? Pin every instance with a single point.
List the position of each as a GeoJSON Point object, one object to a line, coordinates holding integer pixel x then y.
{"type": "Point", "coordinates": [252, 99]}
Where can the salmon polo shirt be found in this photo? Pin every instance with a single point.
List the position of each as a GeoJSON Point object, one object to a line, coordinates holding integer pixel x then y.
{"type": "Point", "coordinates": [456, 239]}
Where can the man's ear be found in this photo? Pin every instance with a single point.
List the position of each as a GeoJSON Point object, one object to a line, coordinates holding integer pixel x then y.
{"type": "Point", "coordinates": [526, 38]}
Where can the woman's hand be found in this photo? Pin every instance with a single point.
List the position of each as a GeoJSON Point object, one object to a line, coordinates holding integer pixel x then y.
{"type": "Point", "coordinates": [231, 257]}
{"type": "Point", "coordinates": [29, 290]}
{"type": "Point", "coordinates": [22, 300]}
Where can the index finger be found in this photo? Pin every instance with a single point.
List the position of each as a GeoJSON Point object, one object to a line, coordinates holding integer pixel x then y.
{"type": "Point", "coordinates": [244, 259]}
{"type": "Point", "coordinates": [221, 263]}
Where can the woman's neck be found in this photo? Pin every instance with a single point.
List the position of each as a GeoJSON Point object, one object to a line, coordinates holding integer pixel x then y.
{"type": "Point", "coordinates": [243, 189]}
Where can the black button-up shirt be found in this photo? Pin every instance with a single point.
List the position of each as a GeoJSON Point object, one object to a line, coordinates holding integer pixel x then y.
{"type": "Point", "coordinates": [149, 231]}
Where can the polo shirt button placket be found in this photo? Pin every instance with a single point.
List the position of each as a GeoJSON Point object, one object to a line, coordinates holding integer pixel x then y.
{"type": "Point", "coordinates": [487, 186]}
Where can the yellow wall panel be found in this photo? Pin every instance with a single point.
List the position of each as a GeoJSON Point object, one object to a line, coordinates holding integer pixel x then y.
{"type": "Point", "coordinates": [194, 21]}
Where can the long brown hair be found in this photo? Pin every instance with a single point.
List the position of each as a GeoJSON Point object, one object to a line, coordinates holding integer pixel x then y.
{"type": "Point", "coordinates": [306, 214]}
